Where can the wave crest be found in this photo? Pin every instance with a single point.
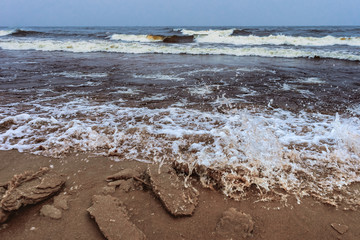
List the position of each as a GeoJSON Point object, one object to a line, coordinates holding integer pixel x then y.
{"type": "Point", "coordinates": [6, 32]}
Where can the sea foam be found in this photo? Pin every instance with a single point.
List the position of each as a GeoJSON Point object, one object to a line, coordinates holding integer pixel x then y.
{"type": "Point", "coordinates": [6, 32]}
{"type": "Point", "coordinates": [272, 147]}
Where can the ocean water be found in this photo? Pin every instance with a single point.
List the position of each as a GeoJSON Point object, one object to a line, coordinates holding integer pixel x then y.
{"type": "Point", "coordinates": [274, 107]}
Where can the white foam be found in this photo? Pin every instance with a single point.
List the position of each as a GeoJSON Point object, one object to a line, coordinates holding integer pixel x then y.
{"type": "Point", "coordinates": [278, 40]}
{"type": "Point", "coordinates": [312, 80]}
{"type": "Point", "coordinates": [238, 70]}
{"type": "Point", "coordinates": [247, 92]}
{"type": "Point", "coordinates": [125, 90]}
{"type": "Point", "coordinates": [141, 48]}
{"type": "Point", "coordinates": [132, 38]}
{"type": "Point", "coordinates": [201, 70]}
{"type": "Point", "coordinates": [157, 97]}
{"type": "Point", "coordinates": [80, 75]}
{"type": "Point", "coordinates": [159, 77]}
{"type": "Point", "coordinates": [225, 37]}
{"type": "Point", "coordinates": [204, 90]}
{"type": "Point", "coordinates": [287, 87]}
{"type": "Point", "coordinates": [210, 32]}
{"type": "Point", "coordinates": [5, 32]}
{"type": "Point", "coordinates": [273, 147]}
{"type": "Point", "coordinates": [355, 109]}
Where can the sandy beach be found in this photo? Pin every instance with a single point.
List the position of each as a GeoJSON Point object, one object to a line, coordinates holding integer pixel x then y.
{"type": "Point", "coordinates": [86, 175]}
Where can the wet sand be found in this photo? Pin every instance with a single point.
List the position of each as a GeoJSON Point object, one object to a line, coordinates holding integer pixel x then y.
{"type": "Point", "coordinates": [86, 177]}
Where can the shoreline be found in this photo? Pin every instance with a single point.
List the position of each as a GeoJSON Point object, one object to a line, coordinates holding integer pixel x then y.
{"type": "Point", "coordinates": [86, 175]}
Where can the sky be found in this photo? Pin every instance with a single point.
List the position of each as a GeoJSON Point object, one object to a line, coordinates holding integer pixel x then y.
{"type": "Point", "coordinates": [179, 13]}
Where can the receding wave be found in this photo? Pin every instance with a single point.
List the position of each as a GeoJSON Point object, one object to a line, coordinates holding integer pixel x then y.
{"type": "Point", "coordinates": [143, 48]}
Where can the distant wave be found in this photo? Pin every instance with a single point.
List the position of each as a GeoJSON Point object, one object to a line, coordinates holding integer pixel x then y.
{"type": "Point", "coordinates": [280, 40]}
{"type": "Point", "coordinates": [132, 38]}
{"type": "Point", "coordinates": [31, 33]}
{"type": "Point", "coordinates": [209, 32]}
{"type": "Point", "coordinates": [143, 48]}
{"type": "Point", "coordinates": [241, 37]}
{"type": "Point", "coordinates": [25, 33]}
{"type": "Point", "coordinates": [241, 32]}
{"type": "Point", "coordinates": [152, 38]}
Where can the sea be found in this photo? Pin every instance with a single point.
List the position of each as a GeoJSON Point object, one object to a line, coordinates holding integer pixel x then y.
{"type": "Point", "coordinates": [272, 107]}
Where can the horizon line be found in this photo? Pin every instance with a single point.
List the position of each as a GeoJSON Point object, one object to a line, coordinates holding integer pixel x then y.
{"type": "Point", "coordinates": [9, 26]}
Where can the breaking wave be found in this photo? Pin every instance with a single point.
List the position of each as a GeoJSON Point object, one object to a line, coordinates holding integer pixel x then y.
{"type": "Point", "coordinates": [25, 33]}
{"type": "Point", "coordinates": [143, 48]}
{"type": "Point", "coordinates": [152, 38]}
{"type": "Point", "coordinates": [240, 37]}
{"type": "Point", "coordinates": [280, 40]}
{"type": "Point", "coordinates": [133, 38]}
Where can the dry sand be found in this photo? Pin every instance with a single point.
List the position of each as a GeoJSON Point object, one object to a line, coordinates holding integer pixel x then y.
{"type": "Point", "coordinates": [86, 177]}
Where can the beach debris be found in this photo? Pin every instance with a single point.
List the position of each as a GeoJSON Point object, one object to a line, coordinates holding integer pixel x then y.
{"type": "Point", "coordinates": [108, 190]}
{"type": "Point", "coordinates": [340, 228]}
{"type": "Point", "coordinates": [124, 174]}
{"type": "Point", "coordinates": [112, 218]}
{"type": "Point", "coordinates": [61, 202]}
{"type": "Point", "coordinates": [116, 183]}
{"type": "Point", "coordinates": [127, 185]}
{"type": "Point", "coordinates": [30, 188]}
{"type": "Point", "coordinates": [234, 225]}
{"type": "Point", "coordinates": [51, 212]}
{"type": "Point", "coordinates": [170, 189]}
{"type": "Point", "coordinates": [125, 179]}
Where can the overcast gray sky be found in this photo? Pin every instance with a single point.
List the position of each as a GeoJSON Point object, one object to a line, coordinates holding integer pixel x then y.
{"type": "Point", "coordinates": [176, 12]}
